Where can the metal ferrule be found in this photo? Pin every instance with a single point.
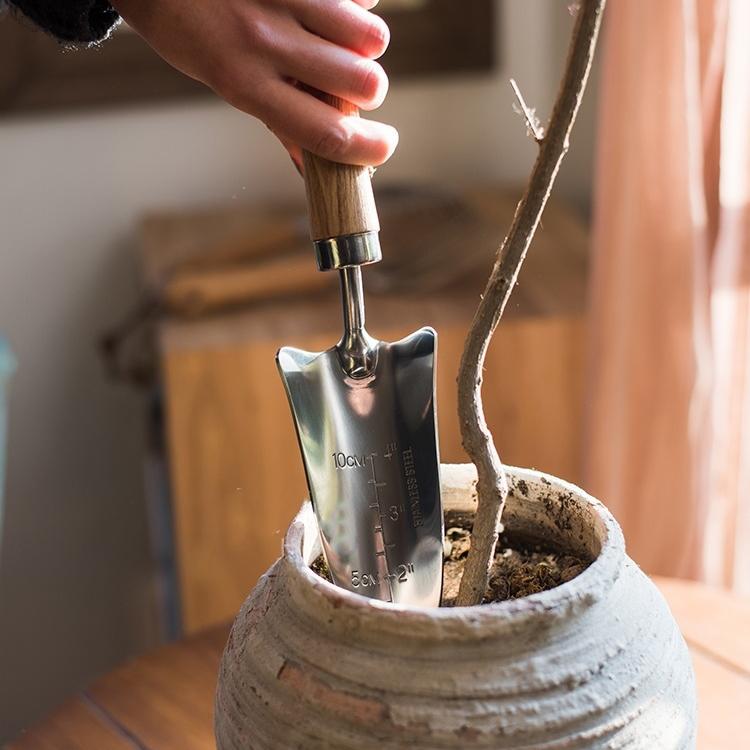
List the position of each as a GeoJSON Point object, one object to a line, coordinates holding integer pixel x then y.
{"type": "Point", "coordinates": [347, 251]}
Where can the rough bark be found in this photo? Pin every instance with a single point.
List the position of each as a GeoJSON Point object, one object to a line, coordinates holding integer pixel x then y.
{"type": "Point", "coordinates": [492, 484]}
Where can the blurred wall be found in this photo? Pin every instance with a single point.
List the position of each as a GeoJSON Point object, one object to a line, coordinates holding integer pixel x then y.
{"type": "Point", "coordinates": [75, 575]}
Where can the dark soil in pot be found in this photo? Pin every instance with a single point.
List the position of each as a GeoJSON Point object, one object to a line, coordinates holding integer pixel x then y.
{"type": "Point", "coordinates": [523, 566]}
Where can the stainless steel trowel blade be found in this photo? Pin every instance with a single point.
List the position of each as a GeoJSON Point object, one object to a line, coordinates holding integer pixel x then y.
{"type": "Point", "coordinates": [370, 452]}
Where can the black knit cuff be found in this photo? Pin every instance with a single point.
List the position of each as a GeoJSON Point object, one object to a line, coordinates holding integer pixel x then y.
{"type": "Point", "coordinates": [78, 21]}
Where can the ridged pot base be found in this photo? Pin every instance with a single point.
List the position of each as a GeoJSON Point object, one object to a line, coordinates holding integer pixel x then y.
{"type": "Point", "coordinates": [597, 662]}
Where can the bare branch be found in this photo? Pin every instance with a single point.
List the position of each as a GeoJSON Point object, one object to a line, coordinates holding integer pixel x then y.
{"type": "Point", "coordinates": [532, 121]}
{"type": "Point", "coordinates": [492, 485]}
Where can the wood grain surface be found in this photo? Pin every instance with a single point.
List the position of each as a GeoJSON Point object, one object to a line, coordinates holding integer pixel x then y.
{"type": "Point", "coordinates": [339, 196]}
{"type": "Point", "coordinates": [203, 291]}
{"type": "Point", "coordinates": [164, 700]}
{"type": "Point", "coordinates": [76, 724]}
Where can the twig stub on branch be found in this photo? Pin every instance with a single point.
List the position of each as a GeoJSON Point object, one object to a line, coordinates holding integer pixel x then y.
{"type": "Point", "coordinates": [532, 121]}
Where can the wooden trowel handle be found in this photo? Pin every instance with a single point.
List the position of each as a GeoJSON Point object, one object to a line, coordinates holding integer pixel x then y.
{"type": "Point", "coordinates": [339, 196]}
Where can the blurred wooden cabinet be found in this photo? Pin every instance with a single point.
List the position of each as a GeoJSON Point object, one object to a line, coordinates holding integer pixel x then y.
{"type": "Point", "coordinates": [235, 468]}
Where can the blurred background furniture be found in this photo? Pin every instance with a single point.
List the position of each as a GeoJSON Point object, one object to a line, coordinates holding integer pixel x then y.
{"type": "Point", "coordinates": [233, 286]}
{"type": "Point", "coordinates": [164, 700]}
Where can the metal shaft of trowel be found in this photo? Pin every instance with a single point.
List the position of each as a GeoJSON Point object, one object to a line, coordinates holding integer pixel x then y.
{"type": "Point", "coordinates": [352, 295]}
{"type": "Point", "coordinates": [356, 347]}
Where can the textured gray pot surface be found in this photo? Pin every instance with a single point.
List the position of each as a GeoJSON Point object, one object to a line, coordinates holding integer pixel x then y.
{"type": "Point", "coordinates": [595, 663]}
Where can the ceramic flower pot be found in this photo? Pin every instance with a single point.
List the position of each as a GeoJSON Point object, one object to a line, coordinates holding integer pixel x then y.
{"type": "Point", "coordinates": [597, 662]}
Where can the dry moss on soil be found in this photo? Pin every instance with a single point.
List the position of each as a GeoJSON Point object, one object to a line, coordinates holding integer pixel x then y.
{"type": "Point", "coordinates": [520, 568]}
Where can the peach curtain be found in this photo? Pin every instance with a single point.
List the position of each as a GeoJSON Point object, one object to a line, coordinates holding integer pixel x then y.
{"type": "Point", "coordinates": [668, 414]}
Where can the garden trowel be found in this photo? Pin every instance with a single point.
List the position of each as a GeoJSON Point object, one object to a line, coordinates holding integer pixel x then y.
{"type": "Point", "coordinates": [364, 411]}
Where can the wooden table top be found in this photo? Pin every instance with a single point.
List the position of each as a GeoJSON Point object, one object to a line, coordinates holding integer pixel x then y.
{"type": "Point", "coordinates": [164, 700]}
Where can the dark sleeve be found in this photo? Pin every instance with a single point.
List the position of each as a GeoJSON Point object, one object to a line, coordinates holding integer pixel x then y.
{"type": "Point", "coordinates": [79, 21]}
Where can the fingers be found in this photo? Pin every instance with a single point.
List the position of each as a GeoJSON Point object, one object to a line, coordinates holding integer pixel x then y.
{"type": "Point", "coordinates": [327, 67]}
{"type": "Point", "coordinates": [346, 24]}
{"type": "Point", "coordinates": [329, 46]}
{"type": "Point", "coordinates": [367, 4]}
{"type": "Point", "coordinates": [299, 118]}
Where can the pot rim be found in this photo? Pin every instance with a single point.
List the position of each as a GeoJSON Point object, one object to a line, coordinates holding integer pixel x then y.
{"type": "Point", "coordinates": [588, 587]}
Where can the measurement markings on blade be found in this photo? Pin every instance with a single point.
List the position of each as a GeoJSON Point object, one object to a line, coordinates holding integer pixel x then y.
{"type": "Point", "coordinates": [384, 516]}
{"type": "Point", "coordinates": [401, 574]}
{"type": "Point", "coordinates": [381, 552]}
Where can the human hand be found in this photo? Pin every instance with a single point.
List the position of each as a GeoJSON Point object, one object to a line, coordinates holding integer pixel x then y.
{"type": "Point", "coordinates": [255, 53]}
